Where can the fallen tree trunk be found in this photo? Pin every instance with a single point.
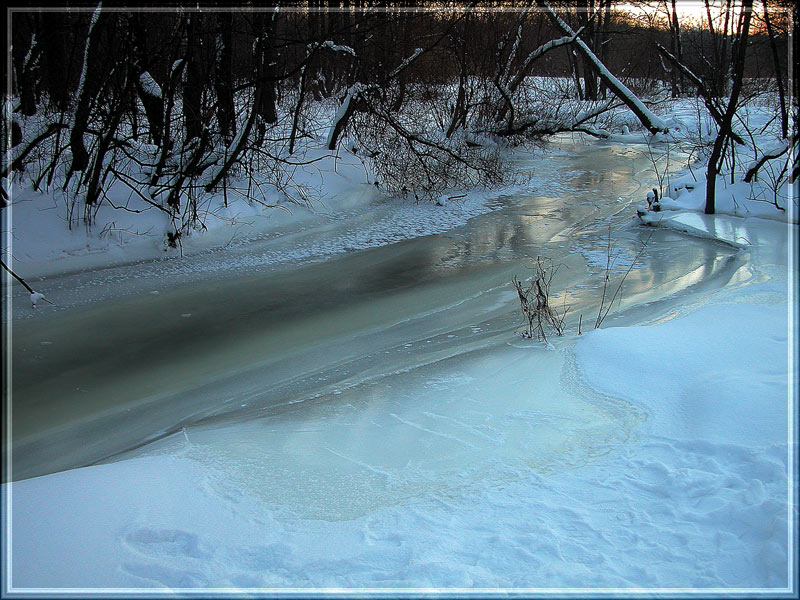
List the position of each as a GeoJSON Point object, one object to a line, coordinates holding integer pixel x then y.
{"type": "Point", "coordinates": [647, 118]}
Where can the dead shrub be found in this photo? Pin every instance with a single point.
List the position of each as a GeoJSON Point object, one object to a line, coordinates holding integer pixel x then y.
{"type": "Point", "coordinates": [534, 301]}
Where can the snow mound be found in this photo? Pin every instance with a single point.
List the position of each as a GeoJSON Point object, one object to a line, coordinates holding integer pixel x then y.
{"type": "Point", "coordinates": [689, 373]}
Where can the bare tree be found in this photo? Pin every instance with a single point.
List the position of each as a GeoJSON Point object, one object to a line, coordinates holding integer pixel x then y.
{"type": "Point", "coordinates": [778, 72]}
{"type": "Point", "coordinates": [724, 135]}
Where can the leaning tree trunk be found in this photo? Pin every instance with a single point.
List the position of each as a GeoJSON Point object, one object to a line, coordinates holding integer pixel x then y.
{"type": "Point", "coordinates": [646, 117]}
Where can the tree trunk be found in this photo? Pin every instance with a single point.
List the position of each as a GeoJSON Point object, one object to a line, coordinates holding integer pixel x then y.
{"type": "Point", "coordinates": [297, 109]}
{"type": "Point", "coordinates": [195, 78]}
{"type": "Point", "coordinates": [585, 10]}
{"type": "Point", "coordinates": [91, 81]}
{"type": "Point", "coordinates": [153, 105]}
{"type": "Point", "coordinates": [725, 130]}
{"type": "Point", "coordinates": [223, 75]}
{"type": "Point", "coordinates": [265, 79]}
{"type": "Point", "coordinates": [459, 110]}
{"type": "Point", "coordinates": [678, 43]}
{"type": "Point", "coordinates": [55, 59]}
{"type": "Point", "coordinates": [778, 74]}
{"type": "Point", "coordinates": [24, 56]}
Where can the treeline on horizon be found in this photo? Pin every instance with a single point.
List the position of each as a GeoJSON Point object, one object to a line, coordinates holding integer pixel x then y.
{"type": "Point", "coordinates": [219, 45]}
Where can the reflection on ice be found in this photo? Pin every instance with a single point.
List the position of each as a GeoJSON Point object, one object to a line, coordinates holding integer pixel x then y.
{"type": "Point", "coordinates": [759, 234]}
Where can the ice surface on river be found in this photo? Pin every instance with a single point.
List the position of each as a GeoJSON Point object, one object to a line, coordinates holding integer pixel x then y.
{"type": "Point", "coordinates": [261, 334]}
{"type": "Point", "coordinates": [434, 429]}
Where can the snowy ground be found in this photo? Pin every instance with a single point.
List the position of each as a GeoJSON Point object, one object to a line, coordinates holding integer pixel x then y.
{"type": "Point", "coordinates": [697, 496]}
{"type": "Point", "coordinates": [649, 457]}
{"type": "Point", "coordinates": [692, 491]}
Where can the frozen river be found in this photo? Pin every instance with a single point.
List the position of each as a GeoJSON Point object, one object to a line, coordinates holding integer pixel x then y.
{"type": "Point", "coordinates": [369, 365]}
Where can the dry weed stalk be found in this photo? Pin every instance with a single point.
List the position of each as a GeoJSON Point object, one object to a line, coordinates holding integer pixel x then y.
{"type": "Point", "coordinates": [535, 303]}
{"type": "Point", "coordinates": [604, 309]}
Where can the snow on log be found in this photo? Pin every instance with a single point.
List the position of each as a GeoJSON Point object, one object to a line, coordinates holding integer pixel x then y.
{"type": "Point", "coordinates": [405, 63]}
{"type": "Point", "coordinates": [149, 85]}
{"type": "Point", "coordinates": [332, 46]}
{"type": "Point", "coordinates": [647, 117]}
{"type": "Point", "coordinates": [342, 114]}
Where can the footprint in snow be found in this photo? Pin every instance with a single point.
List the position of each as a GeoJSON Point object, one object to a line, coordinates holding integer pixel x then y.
{"type": "Point", "coordinates": [165, 576]}
{"type": "Point", "coordinates": [260, 558]}
{"type": "Point", "coordinates": [166, 542]}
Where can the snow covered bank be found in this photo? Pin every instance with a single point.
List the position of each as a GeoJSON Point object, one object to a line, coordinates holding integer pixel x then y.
{"type": "Point", "coordinates": [43, 245]}
{"type": "Point", "coordinates": [690, 378]}
{"type": "Point", "coordinates": [37, 235]}
{"type": "Point", "coordinates": [718, 386]}
{"type": "Point", "coordinates": [756, 184]}
{"type": "Point", "coordinates": [754, 199]}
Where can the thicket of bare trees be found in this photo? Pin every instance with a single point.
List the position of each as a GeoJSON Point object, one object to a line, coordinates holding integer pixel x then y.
{"type": "Point", "coordinates": [734, 36]}
{"type": "Point", "coordinates": [174, 105]}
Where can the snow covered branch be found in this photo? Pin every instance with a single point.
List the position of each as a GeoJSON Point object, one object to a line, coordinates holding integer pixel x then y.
{"type": "Point", "coordinates": [35, 296]}
{"type": "Point", "coordinates": [708, 99]}
{"type": "Point", "coordinates": [769, 155]}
